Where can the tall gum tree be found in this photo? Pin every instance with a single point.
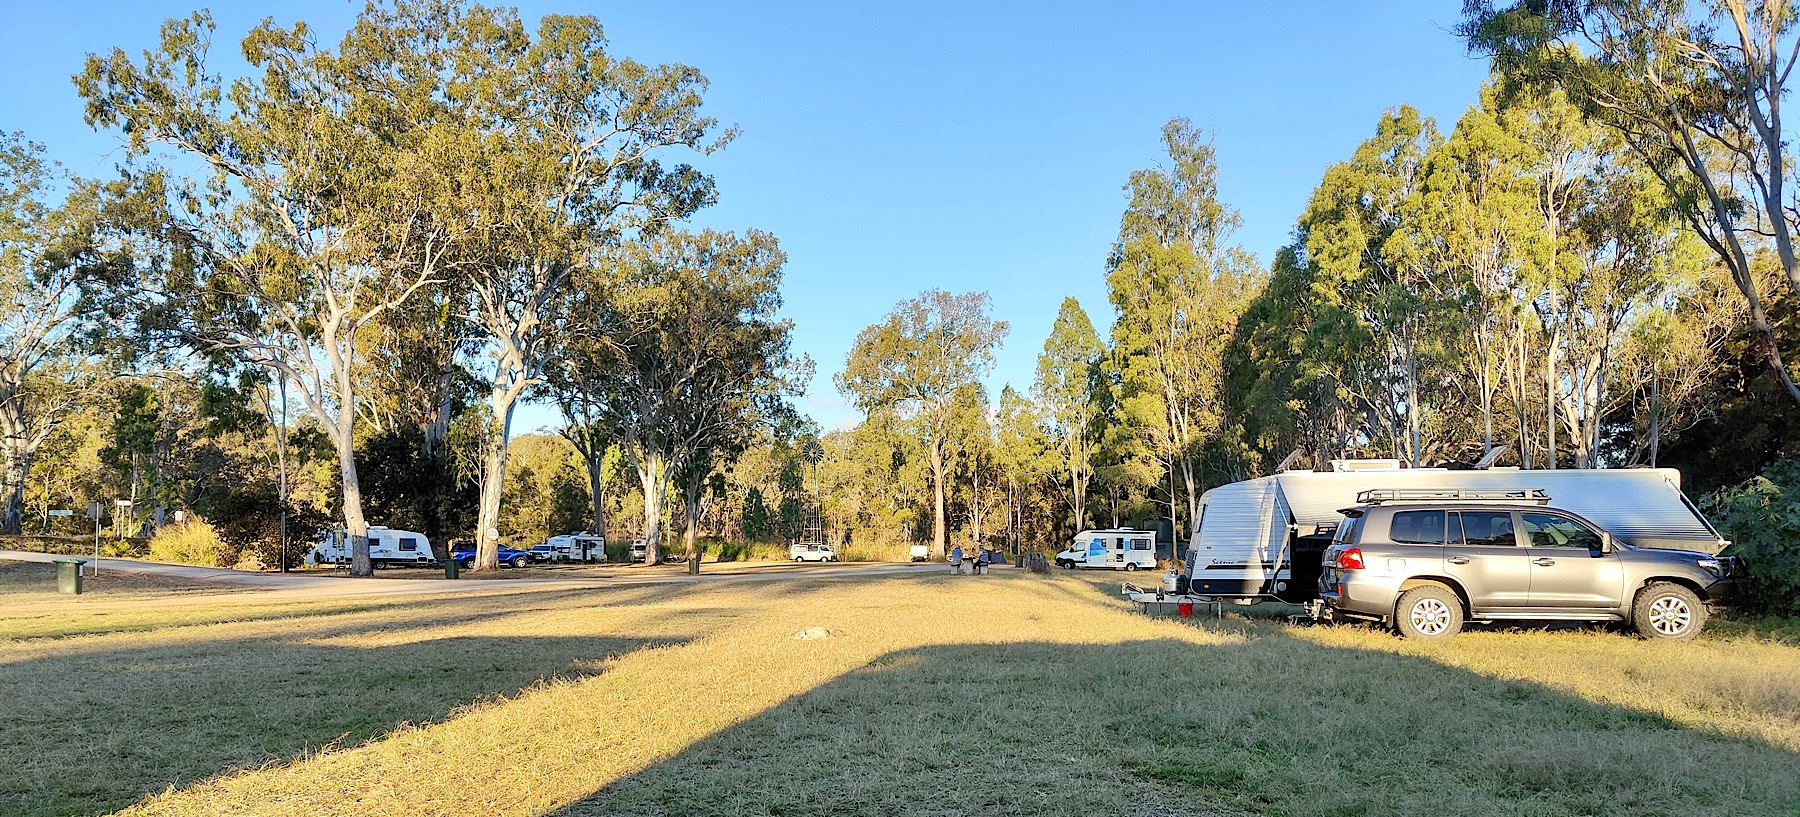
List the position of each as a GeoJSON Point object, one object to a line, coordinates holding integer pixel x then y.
{"type": "Point", "coordinates": [687, 360]}
{"type": "Point", "coordinates": [300, 221]}
{"type": "Point", "coordinates": [913, 363]}
{"type": "Point", "coordinates": [48, 251]}
{"type": "Point", "coordinates": [1178, 287]}
{"type": "Point", "coordinates": [1696, 90]}
{"type": "Point", "coordinates": [556, 159]}
{"type": "Point", "coordinates": [1070, 387]}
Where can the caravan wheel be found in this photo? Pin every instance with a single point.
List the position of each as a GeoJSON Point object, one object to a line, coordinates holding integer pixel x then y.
{"type": "Point", "coordinates": [1131, 567]}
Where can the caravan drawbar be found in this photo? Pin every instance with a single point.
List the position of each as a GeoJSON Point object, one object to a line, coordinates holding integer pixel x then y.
{"type": "Point", "coordinates": [1264, 538]}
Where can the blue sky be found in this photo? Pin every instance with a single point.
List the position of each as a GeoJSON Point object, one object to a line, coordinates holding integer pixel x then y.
{"type": "Point", "coordinates": [895, 148]}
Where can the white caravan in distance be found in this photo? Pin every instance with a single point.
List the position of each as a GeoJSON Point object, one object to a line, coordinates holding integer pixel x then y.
{"type": "Point", "coordinates": [580, 546]}
{"type": "Point", "coordinates": [387, 546]}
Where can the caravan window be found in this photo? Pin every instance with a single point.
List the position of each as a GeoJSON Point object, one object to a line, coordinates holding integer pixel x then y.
{"type": "Point", "coordinates": [1140, 544]}
{"type": "Point", "coordinates": [409, 544]}
{"type": "Point", "coordinates": [1418, 528]}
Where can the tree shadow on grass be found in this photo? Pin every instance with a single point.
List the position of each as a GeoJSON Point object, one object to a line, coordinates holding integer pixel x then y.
{"type": "Point", "coordinates": [93, 732]}
{"type": "Point", "coordinates": [1272, 725]}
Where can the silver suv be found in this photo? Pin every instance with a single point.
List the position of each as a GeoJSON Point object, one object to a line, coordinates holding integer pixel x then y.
{"type": "Point", "coordinates": [1426, 562]}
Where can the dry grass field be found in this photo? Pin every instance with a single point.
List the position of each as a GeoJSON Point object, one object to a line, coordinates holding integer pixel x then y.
{"type": "Point", "coordinates": [944, 695]}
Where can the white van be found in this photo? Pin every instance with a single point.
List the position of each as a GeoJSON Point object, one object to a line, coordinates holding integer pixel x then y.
{"type": "Point", "coordinates": [1115, 549]}
{"type": "Point", "coordinates": [580, 546]}
{"type": "Point", "coordinates": [387, 546]}
{"type": "Point", "coordinates": [812, 553]}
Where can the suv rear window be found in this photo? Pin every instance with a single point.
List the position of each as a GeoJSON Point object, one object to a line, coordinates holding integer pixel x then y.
{"type": "Point", "coordinates": [1418, 528]}
{"type": "Point", "coordinates": [1483, 529]}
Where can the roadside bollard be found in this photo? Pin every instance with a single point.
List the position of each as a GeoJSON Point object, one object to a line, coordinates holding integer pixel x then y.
{"type": "Point", "coordinates": [68, 576]}
{"type": "Point", "coordinates": [452, 568]}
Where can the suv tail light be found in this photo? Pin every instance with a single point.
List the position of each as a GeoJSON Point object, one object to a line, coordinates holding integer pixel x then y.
{"type": "Point", "coordinates": [1350, 559]}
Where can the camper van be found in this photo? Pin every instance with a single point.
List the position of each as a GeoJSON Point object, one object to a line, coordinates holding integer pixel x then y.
{"type": "Point", "coordinates": [1115, 549]}
{"type": "Point", "coordinates": [387, 546]}
{"type": "Point", "coordinates": [1267, 536]}
{"type": "Point", "coordinates": [580, 546]}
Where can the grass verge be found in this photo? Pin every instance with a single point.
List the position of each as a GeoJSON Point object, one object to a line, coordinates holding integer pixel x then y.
{"type": "Point", "coordinates": [1004, 694]}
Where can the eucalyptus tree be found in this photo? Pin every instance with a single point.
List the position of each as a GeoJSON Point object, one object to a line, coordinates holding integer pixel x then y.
{"type": "Point", "coordinates": [1178, 286]}
{"type": "Point", "coordinates": [1384, 301]}
{"type": "Point", "coordinates": [555, 157]}
{"type": "Point", "coordinates": [1072, 389]}
{"type": "Point", "coordinates": [691, 359]}
{"type": "Point", "coordinates": [48, 251]}
{"type": "Point", "coordinates": [912, 366]}
{"type": "Point", "coordinates": [1481, 200]}
{"type": "Point", "coordinates": [1696, 90]}
{"type": "Point", "coordinates": [307, 215]}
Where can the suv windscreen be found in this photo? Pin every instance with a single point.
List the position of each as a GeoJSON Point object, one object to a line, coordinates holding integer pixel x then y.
{"type": "Point", "coordinates": [1417, 528]}
{"type": "Point", "coordinates": [1548, 531]}
{"type": "Point", "coordinates": [1483, 529]}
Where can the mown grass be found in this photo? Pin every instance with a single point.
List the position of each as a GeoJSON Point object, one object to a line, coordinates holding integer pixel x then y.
{"type": "Point", "coordinates": [1005, 694]}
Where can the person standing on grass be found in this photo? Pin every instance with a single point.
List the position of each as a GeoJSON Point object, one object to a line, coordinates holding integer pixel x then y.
{"type": "Point", "coordinates": [955, 557]}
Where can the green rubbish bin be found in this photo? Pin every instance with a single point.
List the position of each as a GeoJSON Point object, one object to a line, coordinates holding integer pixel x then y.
{"type": "Point", "coordinates": [68, 576]}
{"type": "Point", "coordinates": [452, 568]}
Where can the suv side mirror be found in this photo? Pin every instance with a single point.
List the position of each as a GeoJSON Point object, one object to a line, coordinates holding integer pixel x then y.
{"type": "Point", "coordinates": [1606, 542]}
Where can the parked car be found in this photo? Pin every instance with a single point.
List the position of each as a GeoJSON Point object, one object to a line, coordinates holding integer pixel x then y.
{"type": "Point", "coordinates": [640, 550]}
{"type": "Point", "coordinates": [545, 553]}
{"type": "Point", "coordinates": [508, 557]}
{"type": "Point", "coordinates": [812, 553]}
{"type": "Point", "coordinates": [1426, 567]}
{"type": "Point", "coordinates": [919, 553]}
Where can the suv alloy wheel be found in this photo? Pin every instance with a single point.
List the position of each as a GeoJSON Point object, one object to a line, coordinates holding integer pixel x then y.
{"type": "Point", "coordinates": [1429, 612]}
{"type": "Point", "coordinates": [1667, 610]}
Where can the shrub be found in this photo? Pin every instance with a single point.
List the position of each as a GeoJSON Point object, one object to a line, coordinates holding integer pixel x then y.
{"type": "Point", "coordinates": [1761, 517]}
{"type": "Point", "coordinates": [192, 543]}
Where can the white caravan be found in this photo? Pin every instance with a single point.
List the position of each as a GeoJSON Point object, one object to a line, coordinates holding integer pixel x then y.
{"type": "Point", "coordinates": [580, 546]}
{"type": "Point", "coordinates": [387, 546]}
{"type": "Point", "coordinates": [1266, 536]}
{"type": "Point", "coordinates": [1124, 549]}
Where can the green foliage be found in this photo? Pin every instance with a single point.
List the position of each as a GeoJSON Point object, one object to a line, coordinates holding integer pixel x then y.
{"type": "Point", "coordinates": [757, 526]}
{"type": "Point", "coordinates": [406, 487]}
{"type": "Point", "coordinates": [1761, 517]}
{"type": "Point", "coordinates": [1075, 393]}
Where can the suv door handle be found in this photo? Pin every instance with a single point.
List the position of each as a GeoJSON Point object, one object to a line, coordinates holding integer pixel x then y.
{"type": "Point", "coordinates": [1457, 560]}
{"type": "Point", "coordinates": [1544, 561]}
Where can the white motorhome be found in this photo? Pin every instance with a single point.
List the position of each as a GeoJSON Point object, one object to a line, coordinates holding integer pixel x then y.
{"type": "Point", "coordinates": [580, 546]}
{"type": "Point", "coordinates": [387, 546]}
{"type": "Point", "coordinates": [1123, 549]}
{"type": "Point", "coordinates": [1265, 536]}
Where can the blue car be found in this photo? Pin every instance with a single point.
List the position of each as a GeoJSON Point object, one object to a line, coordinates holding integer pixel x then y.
{"type": "Point", "coordinates": [508, 556]}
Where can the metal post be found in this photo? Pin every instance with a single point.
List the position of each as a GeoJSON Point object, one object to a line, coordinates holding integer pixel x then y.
{"type": "Point", "coordinates": [94, 511]}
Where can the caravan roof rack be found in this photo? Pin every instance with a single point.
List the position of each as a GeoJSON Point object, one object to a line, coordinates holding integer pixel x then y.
{"type": "Point", "coordinates": [1376, 496]}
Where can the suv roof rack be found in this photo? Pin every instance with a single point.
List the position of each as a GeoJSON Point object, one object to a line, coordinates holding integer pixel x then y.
{"type": "Point", "coordinates": [1376, 496]}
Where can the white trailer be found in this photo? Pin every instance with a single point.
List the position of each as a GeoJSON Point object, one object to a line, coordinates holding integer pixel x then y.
{"type": "Point", "coordinates": [1123, 549]}
{"type": "Point", "coordinates": [580, 546]}
{"type": "Point", "coordinates": [387, 546]}
{"type": "Point", "coordinates": [1264, 537]}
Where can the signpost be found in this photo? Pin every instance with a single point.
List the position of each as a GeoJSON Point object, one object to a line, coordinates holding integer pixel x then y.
{"type": "Point", "coordinates": [94, 513]}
